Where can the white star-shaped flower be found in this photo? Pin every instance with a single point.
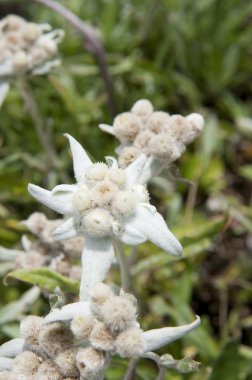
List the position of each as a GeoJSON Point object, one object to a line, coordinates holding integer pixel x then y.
{"type": "Point", "coordinates": [106, 203]}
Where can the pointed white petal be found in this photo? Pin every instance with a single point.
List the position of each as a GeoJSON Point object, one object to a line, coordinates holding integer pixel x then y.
{"type": "Point", "coordinates": [12, 348]}
{"type": "Point", "coordinates": [81, 161]}
{"type": "Point", "coordinates": [64, 189]}
{"type": "Point", "coordinates": [60, 203]}
{"type": "Point", "coordinates": [68, 312]}
{"type": "Point", "coordinates": [157, 338]}
{"type": "Point", "coordinates": [65, 231]}
{"type": "Point", "coordinates": [26, 243]}
{"type": "Point", "coordinates": [107, 128]}
{"type": "Point", "coordinates": [7, 254]}
{"type": "Point", "coordinates": [151, 224]}
{"type": "Point", "coordinates": [111, 161]}
{"type": "Point", "coordinates": [97, 258]}
{"type": "Point", "coordinates": [5, 364]}
{"type": "Point", "coordinates": [4, 88]}
{"type": "Point", "coordinates": [119, 148]}
{"type": "Point", "coordinates": [131, 236]}
{"type": "Point", "coordinates": [134, 170]}
{"type": "Point", "coordinates": [152, 168]}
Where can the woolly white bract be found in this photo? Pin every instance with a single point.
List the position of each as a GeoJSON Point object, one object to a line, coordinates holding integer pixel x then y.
{"type": "Point", "coordinates": [106, 203]}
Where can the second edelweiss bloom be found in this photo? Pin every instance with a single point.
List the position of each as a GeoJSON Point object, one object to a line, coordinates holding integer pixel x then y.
{"type": "Point", "coordinates": [106, 203]}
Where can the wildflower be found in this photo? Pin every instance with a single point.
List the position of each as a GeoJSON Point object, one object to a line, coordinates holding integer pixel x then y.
{"type": "Point", "coordinates": [113, 213]}
{"type": "Point", "coordinates": [26, 48]}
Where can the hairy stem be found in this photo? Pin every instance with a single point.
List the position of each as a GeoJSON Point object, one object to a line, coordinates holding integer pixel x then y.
{"type": "Point", "coordinates": [44, 138]}
{"type": "Point", "coordinates": [161, 373]}
{"type": "Point", "coordinates": [131, 371]}
{"type": "Point", "coordinates": [124, 266]}
{"type": "Point", "coordinates": [93, 44]}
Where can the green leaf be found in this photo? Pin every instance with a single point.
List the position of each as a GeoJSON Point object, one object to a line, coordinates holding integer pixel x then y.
{"type": "Point", "coordinates": [45, 278]}
{"type": "Point", "coordinates": [229, 364]}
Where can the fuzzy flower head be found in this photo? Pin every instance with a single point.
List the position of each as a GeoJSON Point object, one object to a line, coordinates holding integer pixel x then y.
{"type": "Point", "coordinates": [155, 133]}
{"type": "Point", "coordinates": [106, 203]}
{"type": "Point", "coordinates": [26, 48]}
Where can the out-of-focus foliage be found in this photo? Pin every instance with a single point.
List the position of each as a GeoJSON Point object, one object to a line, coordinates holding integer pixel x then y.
{"type": "Point", "coordinates": [184, 56]}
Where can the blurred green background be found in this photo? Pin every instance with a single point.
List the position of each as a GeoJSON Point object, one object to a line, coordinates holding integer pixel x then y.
{"type": "Point", "coordinates": [185, 56]}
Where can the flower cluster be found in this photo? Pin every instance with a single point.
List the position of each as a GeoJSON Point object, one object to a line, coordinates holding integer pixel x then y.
{"type": "Point", "coordinates": [106, 203]}
{"type": "Point", "coordinates": [50, 348]}
{"type": "Point", "coordinates": [27, 47]}
{"type": "Point", "coordinates": [44, 251]}
{"type": "Point", "coordinates": [154, 133]}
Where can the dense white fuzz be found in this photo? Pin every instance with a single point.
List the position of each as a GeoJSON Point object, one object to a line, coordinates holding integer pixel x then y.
{"type": "Point", "coordinates": [104, 192]}
{"type": "Point", "coordinates": [100, 294]}
{"type": "Point", "coordinates": [30, 260]}
{"type": "Point", "coordinates": [55, 338]}
{"type": "Point", "coordinates": [140, 193]}
{"type": "Point", "coordinates": [26, 364]}
{"type": "Point", "coordinates": [117, 176]}
{"type": "Point", "coordinates": [118, 314]}
{"type": "Point", "coordinates": [48, 371]}
{"type": "Point", "coordinates": [7, 375]}
{"type": "Point", "coordinates": [96, 172]}
{"type": "Point", "coordinates": [126, 127]}
{"type": "Point", "coordinates": [82, 199]}
{"type": "Point", "coordinates": [30, 328]}
{"type": "Point", "coordinates": [179, 128]}
{"type": "Point", "coordinates": [124, 203]}
{"type": "Point", "coordinates": [101, 338]}
{"type": "Point", "coordinates": [130, 343]}
{"type": "Point", "coordinates": [197, 123]}
{"type": "Point", "coordinates": [128, 155]}
{"type": "Point", "coordinates": [66, 363]}
{"type": "Point", "coordinates": [143, 109]}
{"type": "Point", "coordinates": [164, 147]}
{"type": "Point", "coordinates": [98, 223]}
{"type": "Point", "coordinates": [20, 61]}
{"type": "Point", "coordinates": [143, 139]}
{"type": "Point", "coordinates": [82, 325]}
{"type": "Point", "coordinates": [157, 121]}
{"type": "Point", "coordinates": [30, 31]}
{"type": "Point", "coordinates": [90, 363]}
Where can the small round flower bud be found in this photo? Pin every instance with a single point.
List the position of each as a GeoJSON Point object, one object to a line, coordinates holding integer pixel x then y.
{"type": "Point", "coordinates": [124, 203]}
{"type": "Point", "coordinates": [98, 223]}
{"type": "Point", "coordinates": [75, 272]}
{"type": "Point", "coordinates": [20, 60]}
{"type": "Point", "coordinates": [30, 31]}
{"type": "Point", "coordinates": [81, 326]}
{"type": "Point", "coordinates": [55, 338]}
{"type": "Point", "coordinates": [179, 128]}
{"type": "Point", "coordinates": [197, 123]}
{"type": "Point", "coordinates": [128, 155]}
{"type": "Point", "coordinates": [101, 293]}
{"type": "Point", "coordinates": [143, 109]}
{"type": "Point", "coordinates": [157, 120]}
{"type": "Point", "coordinates": [7, 375]}
{"type": "Point", "coordinates": [142, 140]}
{"type": "Point", "coordinates": [82, 199]}
{"type": "Point", "coordinates": [11, 22]}
{"type": "Point", "coordinates": [104, 192]}
{"type": "Point", "coordinates": [90, 363]}
{"type": "Point", "coordinates": [140, 193]}
{"type": "Point", "coordinates": [67, 363]}
{"type": "Point", "coordinates": [101, 338]}
{"type": "Point", "coordinates": [36, 222]}
{"type": "Point", "coordinates": [30, 328]}
{"type": "Point", "coordinates": [130, 343]}
{"type": "Point", "coordinates": [117, 176]}
{"type": "Point", "coordinates": [48, 371]}
{"type": "Point", "coordinates": [126, 127]}
{"type": "Point", "coordinates": [26, 364]}
{"type": "Point", "coordinates": [30, 260]}
{"type": "Point", "coordinates": [164, 148]}
{"type": "Point", "coordinates": [96, 172]}
{"type": "Point", "coordinates": [37, 56]}
{"type": "Point", "coordinates": [118, 313]}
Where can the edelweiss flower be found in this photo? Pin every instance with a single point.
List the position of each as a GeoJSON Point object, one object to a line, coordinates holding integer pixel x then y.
{"type": "Point", "coordinates": [26, 48]}
{"type": "Point", "coordinates": [161, 137]}
{"type": "Point", "coordinates": [106, 203]}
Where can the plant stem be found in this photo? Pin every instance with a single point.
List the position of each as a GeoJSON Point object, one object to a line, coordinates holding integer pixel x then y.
{"type": "Point", "coordinates": [93, 44]}
{"type": "Point", "coordinates": [161, 373]}
{"type": "Point", "coordinates": [32, 108]}
{"type": "Point", "coordinates": [124, 266]}
{"type": "Point", "coordinates": [131, 371]}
